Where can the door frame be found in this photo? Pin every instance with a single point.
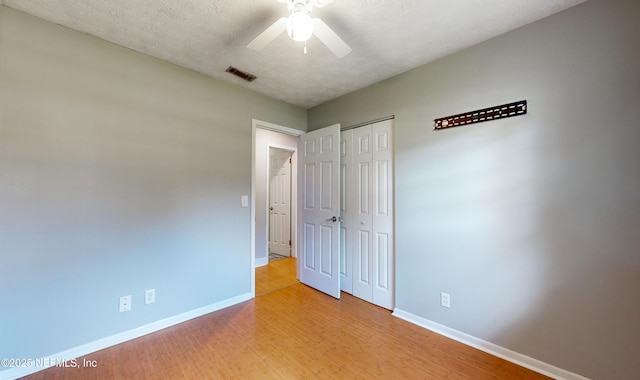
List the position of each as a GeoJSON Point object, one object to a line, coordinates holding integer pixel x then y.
{"type": "Point", "coordinates": [255, 124]}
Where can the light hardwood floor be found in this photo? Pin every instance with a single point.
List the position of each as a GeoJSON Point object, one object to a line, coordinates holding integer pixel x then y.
{"type": "Point", "coordinates": [293, 332]}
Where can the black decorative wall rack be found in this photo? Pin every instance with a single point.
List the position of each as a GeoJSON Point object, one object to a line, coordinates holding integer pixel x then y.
{"type": "Point", "coordinates": [485, 114]}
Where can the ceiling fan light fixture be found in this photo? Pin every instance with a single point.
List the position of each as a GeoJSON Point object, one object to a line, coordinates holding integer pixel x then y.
{"type": "Point", "coordinates": [299, 26]}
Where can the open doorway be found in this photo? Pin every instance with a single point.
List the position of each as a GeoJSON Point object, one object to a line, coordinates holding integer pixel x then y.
{"type": "Point", "coordinates": [283, 142]}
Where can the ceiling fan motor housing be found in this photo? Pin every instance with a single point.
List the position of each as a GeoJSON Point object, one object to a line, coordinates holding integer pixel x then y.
{"type": "Point", "coordinates": [302, 6]}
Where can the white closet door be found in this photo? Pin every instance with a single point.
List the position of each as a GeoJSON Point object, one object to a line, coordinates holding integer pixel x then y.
{"type": "Point", "coordinates": [367, 210]}
{"type": "Point", "coordinates": [346, 211]}
{"type": "Point", "coordinates": [382, 215]}
{"type": "Point", "coordinates": [362, 226]}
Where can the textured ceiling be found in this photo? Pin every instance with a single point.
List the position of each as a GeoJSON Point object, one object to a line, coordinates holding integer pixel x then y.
{"type": "Point", "coordinates": [387, 37]}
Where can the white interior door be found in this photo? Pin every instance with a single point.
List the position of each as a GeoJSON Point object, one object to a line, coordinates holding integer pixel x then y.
{"type": "Point", "coordinates": [320, 210]}
{"type": "Point", "coordinates": [280, 202]}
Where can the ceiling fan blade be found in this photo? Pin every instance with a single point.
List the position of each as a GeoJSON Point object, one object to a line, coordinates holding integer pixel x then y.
{"type": "Point", "coordinates": [320, 3]}
{"type": "Point", "coordinates": [268, 35]}
{"type": "Point", "coordinates": [315, 3]}
{"type": "Point", "coordinates": [330, 38]}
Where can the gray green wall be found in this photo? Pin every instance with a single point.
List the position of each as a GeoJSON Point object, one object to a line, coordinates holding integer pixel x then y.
{"type": "Point", "coordinates": [118, 173]}
{"type": "Point", "coordinates": [530, 223]}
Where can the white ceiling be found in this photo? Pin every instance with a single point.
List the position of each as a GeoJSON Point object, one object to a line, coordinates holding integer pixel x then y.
{"type": "Point", "coordinates": [387, 37]}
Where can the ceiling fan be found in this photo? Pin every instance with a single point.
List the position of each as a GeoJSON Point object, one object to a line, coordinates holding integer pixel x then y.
{"type": "Point", "coordinates": [300, 26]}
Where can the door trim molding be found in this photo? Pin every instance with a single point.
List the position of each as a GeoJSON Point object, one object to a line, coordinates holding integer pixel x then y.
{"type": "Point", "coordinates": [255, 124]}
{"type": "Point", "coordinates": [390, 117]}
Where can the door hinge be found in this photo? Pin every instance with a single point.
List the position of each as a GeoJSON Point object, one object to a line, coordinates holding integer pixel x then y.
{"type": "Point", "coordinates": [289, 160]}
{"type": "Point", "coordinates": [289, 242]}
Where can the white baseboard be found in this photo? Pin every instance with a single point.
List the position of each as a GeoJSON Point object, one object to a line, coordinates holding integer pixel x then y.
{"type": "Point", "coordinates": [488, 347]}
{"type": "Point", "coordinates": [262, 261]}
{"type": "Point", "coordinates": [85, 349]}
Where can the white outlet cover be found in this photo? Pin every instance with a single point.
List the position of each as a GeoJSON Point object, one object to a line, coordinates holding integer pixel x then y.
{"type": "Point", "coordinates": [445, 300]}
{"type": "Point", "coordinates": [125, 303]}
{"type": "Point", "coordinates": [244, 201]}
{"type": "Point", "coordinates": [149, 296]}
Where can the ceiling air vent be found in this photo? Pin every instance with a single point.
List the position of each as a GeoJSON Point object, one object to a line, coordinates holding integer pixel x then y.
{"type": "Point", "coordinates": [241, 74]}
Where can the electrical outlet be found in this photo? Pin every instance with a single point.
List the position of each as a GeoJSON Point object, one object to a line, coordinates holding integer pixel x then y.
{"type": "Point", "coordinates": [445, 300]}
{"type": "Point", "coordinates": [125, 303]}
{"type": "Point", "coordinates": [149, 296]}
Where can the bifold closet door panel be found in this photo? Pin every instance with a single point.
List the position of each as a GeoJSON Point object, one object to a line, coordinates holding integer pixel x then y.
{"type": "Point", "coordinates": [346, 211]}
{"type": "Point", "coordinates": [367, 211]}
{"type": "Point", "coordinates": [362, 228]}
{"type": "Point", "coordinates": [382, 215]}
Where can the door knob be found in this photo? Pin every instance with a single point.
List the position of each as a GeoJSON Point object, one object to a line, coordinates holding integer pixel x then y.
{"type": "Point", "coordinates": [363, 222]}
{"type": "Point", "coordinates": [334, 219]}
{"type": "Point", "coordinates": [271, 208]}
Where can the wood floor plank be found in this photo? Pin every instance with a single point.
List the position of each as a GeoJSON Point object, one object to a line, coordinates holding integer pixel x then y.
{"type": "Point", "coordinates": [292, 331]}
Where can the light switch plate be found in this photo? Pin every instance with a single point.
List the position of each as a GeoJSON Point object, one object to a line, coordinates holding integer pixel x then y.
{"type": "Point", "coordinates": [244, 201]}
